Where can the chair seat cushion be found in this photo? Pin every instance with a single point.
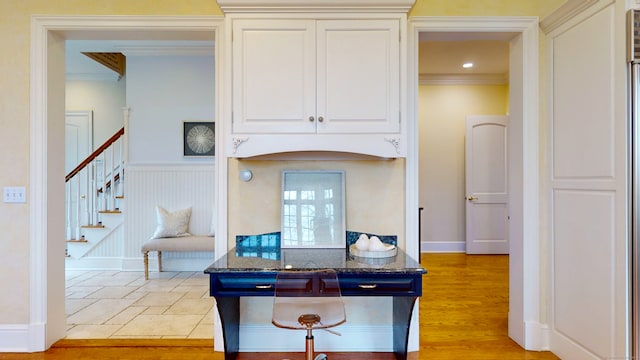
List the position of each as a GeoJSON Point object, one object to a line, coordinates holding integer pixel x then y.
{"type": "Point", "coordinates": [187, 243]}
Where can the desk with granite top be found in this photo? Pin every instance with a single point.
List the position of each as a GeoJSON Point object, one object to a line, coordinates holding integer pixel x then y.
{"type": "Point", "coordinates": [239, 273]}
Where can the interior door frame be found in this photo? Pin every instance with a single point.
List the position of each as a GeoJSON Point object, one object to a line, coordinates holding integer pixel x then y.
{"type": "Point", "coordinates": [47, 318]}
{"type": "Point", "coordinates": [526, 325]}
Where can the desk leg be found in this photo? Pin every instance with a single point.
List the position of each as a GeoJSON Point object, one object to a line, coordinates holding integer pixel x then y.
{"type": "Point", "coordinates": [402, 309]}
{"type": "Point", "coordinates": [229, 311]}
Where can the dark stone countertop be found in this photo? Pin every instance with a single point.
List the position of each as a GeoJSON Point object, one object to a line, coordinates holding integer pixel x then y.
{"type": "Point", "coordinates": [313, 258]}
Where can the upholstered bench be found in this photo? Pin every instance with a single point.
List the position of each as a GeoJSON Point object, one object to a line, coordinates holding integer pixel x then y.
{"type": "Point", "coordinates": [183, 243]}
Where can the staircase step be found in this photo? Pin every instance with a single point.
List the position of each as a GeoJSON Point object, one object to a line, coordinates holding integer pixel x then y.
{"type": "Point", "coordinates": [110, 212]}
{"type": "Point", "coordinates": [99, 226]}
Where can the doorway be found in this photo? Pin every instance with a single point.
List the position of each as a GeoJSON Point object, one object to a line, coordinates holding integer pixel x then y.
{"type": "Point", "coordinates": [523, 168]}
{"type": "Point", "coordinates": [47, 138]}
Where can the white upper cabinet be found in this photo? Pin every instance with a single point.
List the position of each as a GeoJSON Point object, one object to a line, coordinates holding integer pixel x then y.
{"type": "Point", "coordinates": [316, 82]}
{"type": "Point", "coordinates": [308, 76]}
{"type": "Point", "coordinates": [358, 76]}
{"type": "Point", "coordinates": [274, 76]}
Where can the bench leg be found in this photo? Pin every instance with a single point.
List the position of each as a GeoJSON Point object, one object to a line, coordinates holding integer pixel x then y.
{"type": "Point", "coordinates": [146, 265]}
{"type": "Point", "coordinates": [159, 261]}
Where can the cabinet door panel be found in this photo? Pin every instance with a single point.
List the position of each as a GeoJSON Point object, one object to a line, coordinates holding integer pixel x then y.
{"type": "Point", "coordinates": [273, 76]}
{"type": "Point", "coordinates": [358, 76]}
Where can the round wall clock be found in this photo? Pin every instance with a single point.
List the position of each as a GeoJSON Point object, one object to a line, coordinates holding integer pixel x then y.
{"type": "Point", "coordinates": [199, 139]}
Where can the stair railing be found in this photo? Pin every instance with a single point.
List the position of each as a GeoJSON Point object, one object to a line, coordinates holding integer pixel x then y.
{"type": "Point", "coordinates": [94, 186]}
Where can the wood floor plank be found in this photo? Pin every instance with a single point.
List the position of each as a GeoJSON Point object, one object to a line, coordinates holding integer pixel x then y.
{"type": "Point", "coordinates": [463, 315]}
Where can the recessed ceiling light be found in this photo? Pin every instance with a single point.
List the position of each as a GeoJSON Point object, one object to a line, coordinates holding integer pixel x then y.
{"type": "Point", "coordinates": [467, 65]}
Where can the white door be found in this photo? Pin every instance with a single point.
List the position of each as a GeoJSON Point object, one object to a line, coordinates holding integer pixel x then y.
{"type": "Point", "coordinates": [78, 139]}
{"type": "Point", "coordinates": [487, 207]}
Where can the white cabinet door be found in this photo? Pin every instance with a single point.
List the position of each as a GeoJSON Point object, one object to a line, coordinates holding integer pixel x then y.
{"type": "Point", "coordinates": [308, 76]}
{"type": "Point", "coordinates": [274, 76]}
{"type": "Point", "coordinates": [358, 76]}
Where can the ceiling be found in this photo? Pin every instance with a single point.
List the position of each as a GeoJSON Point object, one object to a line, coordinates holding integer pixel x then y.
{"type": "Point", "coordinates": [441, 55]}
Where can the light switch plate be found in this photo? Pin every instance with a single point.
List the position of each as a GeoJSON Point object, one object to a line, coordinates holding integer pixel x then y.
{"type": "Point", "coordinates": [15, 194]}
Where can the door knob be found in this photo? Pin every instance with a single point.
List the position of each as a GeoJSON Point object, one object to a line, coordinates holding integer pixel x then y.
{"type": "Point", "coordinates": [471, 198]}
{"type": "Point", "coordinates": [311, 118]}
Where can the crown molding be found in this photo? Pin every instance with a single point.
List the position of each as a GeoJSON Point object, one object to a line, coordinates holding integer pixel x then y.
{"type": "Point", "coordinates": [110, 76]}
{"type": "Point", "coordinates": [171, 50]}
{"type": "Point", "coordinates": [463, 79]}
{"type": "Point", "coordinates": [261, 6]}
{"type": "Point", "coordinates": [565, 12]}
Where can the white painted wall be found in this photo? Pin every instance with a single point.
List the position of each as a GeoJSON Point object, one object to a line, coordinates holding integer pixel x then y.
{"type": "Point", "coordinates": [105, 98]}
{"type": "Point", "coordinates": [442, 111]}
{"type": "Point", "coordinates": [162, 92]}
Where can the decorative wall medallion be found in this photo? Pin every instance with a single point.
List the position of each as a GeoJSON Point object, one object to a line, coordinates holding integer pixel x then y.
{"type": "Point", "coordinates": [199, 138]}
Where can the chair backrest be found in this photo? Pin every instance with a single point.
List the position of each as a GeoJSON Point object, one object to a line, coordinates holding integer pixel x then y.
{"type": "Point", "coordinates": [314, 283]}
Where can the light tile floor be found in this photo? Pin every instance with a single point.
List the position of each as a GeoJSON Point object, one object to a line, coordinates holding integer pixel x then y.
{"type": "Point", "coordinates": [122, 304]}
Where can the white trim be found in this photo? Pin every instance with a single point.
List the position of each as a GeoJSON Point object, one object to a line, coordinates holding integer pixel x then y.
{"type": "Point", "coordinates": [107, 76]}
{"type": "Point", "coordinates": [280, 6]}
{"type": "Point", "coordinates": [167, 50]}
{"type": "Point", "coordinates": [14, 337]}
{"type": "Point", "coordinates": [540, 334]}
{"type": "Point", "coordinates": [42, 27]}
{"type": "Point", "coordinates": [169, 167]}
{"type": "Point", "coordinates": [38, 239]}
{"type": "Point", "coordinates": [443, 247]}
{"type": "Point", "coordinates": [565, 12]}
{"type": "Point", "coordinates": [528, 272]}
{"type": "Point", "coordinates": [464, 79]}
{"type": "Point", "coordinates": [192, 262]}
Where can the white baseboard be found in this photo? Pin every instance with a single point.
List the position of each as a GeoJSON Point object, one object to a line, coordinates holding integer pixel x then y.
{"type": "Point", "coordinates": [566, 348]}
{"type": "Point", "coordinates": [137, 264]}
{"type": "Point", "coordinates": [443, 247]}
{"type": "Point", "coordinates": [14, 338]}
{"type": "Point", "coordinates": [267, 338]}
{"type": "Point", "coordinates": [536, 336]}
{"type": "Point", "coordinates": [94, 263]}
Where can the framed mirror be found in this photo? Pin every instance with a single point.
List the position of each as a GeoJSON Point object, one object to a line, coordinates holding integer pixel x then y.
{"type": "Point", "coordinates": [313, 209]}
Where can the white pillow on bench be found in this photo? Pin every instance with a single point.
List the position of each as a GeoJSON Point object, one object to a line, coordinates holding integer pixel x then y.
{"type": "Point", "coordinates": [172, 224]}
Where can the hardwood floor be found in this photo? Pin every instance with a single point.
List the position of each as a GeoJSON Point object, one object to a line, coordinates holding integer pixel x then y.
{"type": "Point", "coordinates": [463, 315]}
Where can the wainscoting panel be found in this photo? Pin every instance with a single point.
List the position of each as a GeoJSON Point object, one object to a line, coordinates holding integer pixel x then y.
{"type": "Point", "coordinates": [172, 187]}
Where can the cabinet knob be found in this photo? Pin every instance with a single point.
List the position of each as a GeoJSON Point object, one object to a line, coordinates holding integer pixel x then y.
{"type": "Point", "coordinates": [311, 118]}
{"type": "Point", "coordinates": [320, 119]}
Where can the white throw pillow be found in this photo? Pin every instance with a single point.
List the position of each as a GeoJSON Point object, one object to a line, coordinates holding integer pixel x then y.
{"type": "Point", "coordinates": [172, 224]}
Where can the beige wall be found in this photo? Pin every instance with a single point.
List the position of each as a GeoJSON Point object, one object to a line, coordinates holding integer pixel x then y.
{"type": "Point", "coordinates": [540, 8]}
{"type": "Point", "coordinates": [14, 104]}
{"type": "Point", "coordinates": [442, 111]}
{"type": "Point", "coordinates": [254, 206]}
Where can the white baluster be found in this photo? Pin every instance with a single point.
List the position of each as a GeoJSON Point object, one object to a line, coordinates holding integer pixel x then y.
{"type": "Point", "coordinates": [112, 192]}
{"type": "Point", "coordinates": [68, 186]}
{"type": "Point", "coordinates": [121, 165]}
{"type": "Point", "coordinates": [94, 194]}
{"type": "Point", "coordinates": [87, 196]}
{"type": "Point", "coordinates": [104, 182]}
{"type": "Point", "coordinates": [77, 209]}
